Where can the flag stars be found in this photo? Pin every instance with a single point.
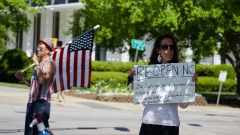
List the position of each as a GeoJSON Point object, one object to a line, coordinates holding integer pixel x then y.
{"type": "Point", "coordinates": [83, 42]}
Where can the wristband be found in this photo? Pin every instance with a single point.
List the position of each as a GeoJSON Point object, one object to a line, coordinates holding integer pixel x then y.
{"type": "Point", "coordinates": [37, 64]}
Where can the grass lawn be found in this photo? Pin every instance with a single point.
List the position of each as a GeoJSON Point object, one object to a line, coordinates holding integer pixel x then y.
{"type": "Point", "coordinates": [16, 85]}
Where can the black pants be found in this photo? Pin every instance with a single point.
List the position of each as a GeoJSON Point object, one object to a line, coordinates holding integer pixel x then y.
{"type": "Point", "coordinates": [150, 129]}
{"type": "Point", "coordinates": [41, 106]}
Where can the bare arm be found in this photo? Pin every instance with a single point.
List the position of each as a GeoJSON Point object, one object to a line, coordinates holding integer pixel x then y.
{"type": "Point", "coordinates": [19, 75]}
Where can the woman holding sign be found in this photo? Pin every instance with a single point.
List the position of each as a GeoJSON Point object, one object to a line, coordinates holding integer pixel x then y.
{"type": "Point", "coordinates": [162, 119]}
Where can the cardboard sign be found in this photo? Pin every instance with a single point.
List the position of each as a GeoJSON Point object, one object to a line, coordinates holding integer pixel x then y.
{"type": "Point", "coordinates": [164, 83]}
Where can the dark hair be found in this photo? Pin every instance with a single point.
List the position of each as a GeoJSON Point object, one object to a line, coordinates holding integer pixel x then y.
{"type": "Point", "coordinates": [154, 54]}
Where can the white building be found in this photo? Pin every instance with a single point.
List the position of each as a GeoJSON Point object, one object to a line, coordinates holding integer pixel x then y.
{"type": "Point", "coordinates": [52, 21]}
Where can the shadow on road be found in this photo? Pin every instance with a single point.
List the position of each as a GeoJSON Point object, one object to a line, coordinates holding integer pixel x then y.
{"type": "Point", "coordinates": [196, 125]}
{"type": "Point", "coordinates": [123, 129]}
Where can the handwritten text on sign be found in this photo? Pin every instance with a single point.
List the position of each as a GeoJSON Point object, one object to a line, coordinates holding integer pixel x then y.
{"type": "Point", "coordinates": [164, 83]}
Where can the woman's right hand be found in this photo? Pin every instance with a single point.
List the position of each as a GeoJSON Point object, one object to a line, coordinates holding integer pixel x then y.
{"type": "Point", "coordinates": [131, 72]}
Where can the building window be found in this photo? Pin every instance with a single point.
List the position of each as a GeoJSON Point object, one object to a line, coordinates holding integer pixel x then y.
{"type": "Point", "coordinates": [37, 27]}
{"type": "Point", "coordinates": [19, 36]}
{"type": "Point", "coordinates": [33, 4]}
{"type": "Point", "coordinates": [73, 1]}
{"type": "Point", "coordinates": [59, 2]}
{"type": "Point", "coordinates": [100, 54]}
{"type": "Point", "coordinates": [56, 20]}
{"type": "Point", "coordinates": [19, 39]}
{"type": "Point", "coordinates": [53, 2]}
{"type": "Point", "coordinates": [223, 60]}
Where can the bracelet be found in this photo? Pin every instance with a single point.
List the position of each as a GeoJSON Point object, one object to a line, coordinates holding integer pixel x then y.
{"type": "Point", "coordinates": [37, 64]}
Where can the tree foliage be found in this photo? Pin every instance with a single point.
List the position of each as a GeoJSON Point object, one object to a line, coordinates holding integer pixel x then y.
{"type": "Point", "coordinates": [196, 24]}
{"type": "Point", "coordinates": [13, 17]}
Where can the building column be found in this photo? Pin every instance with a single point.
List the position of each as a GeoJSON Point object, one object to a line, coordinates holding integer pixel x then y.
{"type": "Point", "coordinates": [46, 24]}
{"type": "Point", "coordinates": [28, 37]}
{"type": "Point", "coordinates": [64, 18]}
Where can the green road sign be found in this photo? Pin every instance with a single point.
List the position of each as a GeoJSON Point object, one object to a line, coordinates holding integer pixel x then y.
{"type": "Point", "coordinates": [138, 44]}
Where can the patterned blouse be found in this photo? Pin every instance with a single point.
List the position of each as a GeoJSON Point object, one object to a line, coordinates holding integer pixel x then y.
{"type": "Point", "coordinates": [162, 114]}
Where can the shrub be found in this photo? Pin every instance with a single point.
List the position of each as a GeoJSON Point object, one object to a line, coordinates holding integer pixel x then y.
{"type": "Point", "coordinates": [11, 61]}
{"type": "Point", "coordinates": [14, 59]}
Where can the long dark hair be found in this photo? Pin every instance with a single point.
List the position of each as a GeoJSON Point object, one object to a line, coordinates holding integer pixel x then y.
{"type": "Point", "coordinates": [154, 54]}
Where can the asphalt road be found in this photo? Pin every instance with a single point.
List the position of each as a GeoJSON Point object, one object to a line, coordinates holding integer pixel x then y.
{"type": "Point", "coordinates": [79, 116]}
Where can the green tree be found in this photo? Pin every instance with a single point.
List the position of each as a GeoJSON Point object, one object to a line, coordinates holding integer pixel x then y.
{"type": "Point", "coordinates": [208, 23]}
{"type": "Point", "coordinates": [13, 17]}
{"type": "Point", "coordinates": [204, 23]}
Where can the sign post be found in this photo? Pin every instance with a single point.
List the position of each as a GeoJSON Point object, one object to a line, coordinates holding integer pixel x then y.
{"type": "Point", "coordinates": [222, 78]}
{"type": "Point", "coordinates": [138, 45]}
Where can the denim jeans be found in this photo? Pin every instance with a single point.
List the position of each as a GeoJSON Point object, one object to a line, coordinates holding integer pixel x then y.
{"type": "Point", "coordinates": [41, 106]}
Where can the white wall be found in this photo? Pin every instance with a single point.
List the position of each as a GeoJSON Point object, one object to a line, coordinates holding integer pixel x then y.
{"type": "Point", "coordinates": [63, 26]}
{"type": "Point", "coordinates": [11, 44]}
{"type": "Point", "coordinates": [148, 50]}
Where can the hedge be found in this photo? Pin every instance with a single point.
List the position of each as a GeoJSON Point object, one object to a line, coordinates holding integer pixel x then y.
{"type": "Point", "coordinates": [202, 70]}
{"type": "Point", "coordinates": [114, 66]}
{"type": "Point", "coordinates": [214, 70]}
{"type": "Point", "coordinates": [107, 76]}
{"type": "Point", "coordinates": [115, 73]}
{"type": "Point", "coordinates": [211, 84]}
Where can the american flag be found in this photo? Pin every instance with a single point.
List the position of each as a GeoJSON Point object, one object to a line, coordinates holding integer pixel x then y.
{"type": "Point", "coordinates": [73, 63]}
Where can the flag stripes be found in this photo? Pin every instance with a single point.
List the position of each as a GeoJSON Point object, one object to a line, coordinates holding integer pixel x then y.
{"type": "Point", "coordinates": [73, 63]}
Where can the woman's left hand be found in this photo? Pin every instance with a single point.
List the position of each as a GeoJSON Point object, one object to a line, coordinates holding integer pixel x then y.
{"type": "Point", "coordinates": [194, 78]}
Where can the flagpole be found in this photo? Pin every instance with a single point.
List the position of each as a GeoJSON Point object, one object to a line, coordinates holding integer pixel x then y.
{"type": "Point", "coordinates": [96, 27]}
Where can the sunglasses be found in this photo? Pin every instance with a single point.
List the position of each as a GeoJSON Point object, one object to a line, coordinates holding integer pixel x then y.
{"type": "Point", "coordinates": [40, 48]}
{"type": "Point", "coordinates": [166, 46]}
